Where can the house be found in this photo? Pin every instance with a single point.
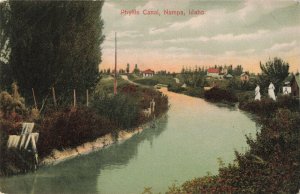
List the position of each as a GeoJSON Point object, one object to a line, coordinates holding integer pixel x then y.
{"type": "Point", "coordinates": [148, 73]}
{"type": "Point", "coordinates": [295, 85]}
{"type": "Point", "coordinates": [213, 72]}
{"type": "Point", "coordinates": [224, 70]}
{"type": "Point", "coordinates": [286, 88]}
{"type": "Point", "coordinates": [245, 77]}
{"type": "Point", "coordinates": [291, 85]}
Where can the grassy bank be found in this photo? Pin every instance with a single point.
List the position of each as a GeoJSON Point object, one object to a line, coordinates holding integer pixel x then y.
{"type": "Point", "coordinates": [67, 127]}
{"type": "Point", "coordinates": [152, 81]}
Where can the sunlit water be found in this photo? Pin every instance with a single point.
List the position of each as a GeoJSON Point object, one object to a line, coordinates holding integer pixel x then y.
{"type": "Point", "coordinates": [184, 145]}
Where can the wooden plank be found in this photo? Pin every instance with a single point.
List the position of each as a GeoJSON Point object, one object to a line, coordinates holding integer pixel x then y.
{"type": "Point", "coordinates": [13, 141]}
{"type": "Point", "coordinates": [22, 141]}
{"type": "Point", "coordinates": [27, 128]}
{"type": "Point", "coordinates": [27, 141]}
{"type": "Point", "coordinates": [33, 144]}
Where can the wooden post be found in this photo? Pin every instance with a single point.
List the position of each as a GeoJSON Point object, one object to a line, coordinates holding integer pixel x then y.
{"type": "Point", "coordinates": [115, 81]}
{"type": "Point", "coordinates": [87, 98]}
{"type": "Point", "coordinates": [54, 98]}
{"type": "Point", "coordinates": [74, 93]}
{"type": "Point", "coordinates": [35, 104]}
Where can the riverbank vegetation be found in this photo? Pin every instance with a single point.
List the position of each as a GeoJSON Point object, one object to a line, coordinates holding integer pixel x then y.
{"type": "Point", "coordinates": [66, 127]}
{"type": "Point", "coordinates": [165, 79]}
{"type": "Point", "coordinates": [271, 164]}
{"type": "Point", "coordinates": [64, 93]}
{"type": "Point", "coordinates": [220, 95]}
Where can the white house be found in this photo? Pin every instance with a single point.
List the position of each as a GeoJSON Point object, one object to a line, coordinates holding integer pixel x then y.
{"type": "Point", "coordinates": [148, 73]}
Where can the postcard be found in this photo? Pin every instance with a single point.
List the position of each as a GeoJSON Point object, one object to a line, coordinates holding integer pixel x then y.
{"type": "Point", "coordinates": [149, 96]}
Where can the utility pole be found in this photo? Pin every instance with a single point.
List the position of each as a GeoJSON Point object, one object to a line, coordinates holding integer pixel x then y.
{"type": "Point", "coordinates": [115, 81]}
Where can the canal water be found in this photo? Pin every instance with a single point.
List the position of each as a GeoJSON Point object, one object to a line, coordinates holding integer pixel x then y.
{"type": "Point", "coordinates": [185, 144]}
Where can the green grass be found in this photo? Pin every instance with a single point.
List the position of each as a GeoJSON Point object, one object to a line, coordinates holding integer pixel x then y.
{"type": "Point", "coordinates": [156, 79]}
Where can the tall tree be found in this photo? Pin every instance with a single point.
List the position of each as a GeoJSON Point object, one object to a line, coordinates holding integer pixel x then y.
{"type": "Point", "coordinates": [275, 71]}
{"type": "Point", "coordinates": [136, 70]}
{"type": "Point", "coordinates": [238, 70]}
{"type": "Point", "coordinates": [55, 43]}
{"type": "Point", "coordinates": [5, 73]}
{"type": "Point", "coordinates": [128, 68]}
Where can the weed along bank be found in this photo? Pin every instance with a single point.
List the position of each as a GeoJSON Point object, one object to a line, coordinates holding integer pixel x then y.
{"type": "Point", "coordinates": [144, 151]}
{"type": "Point", "coordinates": [62, 132]}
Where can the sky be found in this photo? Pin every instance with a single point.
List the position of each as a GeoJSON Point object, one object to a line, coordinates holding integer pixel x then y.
{"type": "Point", "coordinates": [224, 32]}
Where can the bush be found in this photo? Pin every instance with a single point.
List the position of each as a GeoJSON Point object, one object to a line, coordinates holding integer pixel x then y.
{"type": "Point", "coordinates": [147, 82]}
{"type": "Point", "coordinates": [220, 95]}
{"type": "Point", "coordinates": [195, 92]}
{"type": "Point", "coordinates": [245, 96]}
{"type": "Point", "coordinates": [12, 103]}
{"type": "Point", "coordinates": [70, 128]}
{"type": "Point", "coordinates": [121, 109]}
{"type": "Point", "coordinates": [125, 108]}
{"type": "Point", "coordinates": [176, 88]}
{"type": "Point", "coordinates": [266, 106]}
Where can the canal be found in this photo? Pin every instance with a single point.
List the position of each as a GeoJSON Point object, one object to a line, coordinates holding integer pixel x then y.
{"type": "Point", "coordinates": [185, 144]}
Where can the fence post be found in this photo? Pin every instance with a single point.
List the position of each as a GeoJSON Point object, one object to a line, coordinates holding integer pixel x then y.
{"type": "Point", "coordinates": [74, 96]}
{"type": "Point", "coordinates": [87, 97]}
{"type": "Point", "coordinates": [35, 104]}
{"type": "Point", "coordinates": [54, 98]}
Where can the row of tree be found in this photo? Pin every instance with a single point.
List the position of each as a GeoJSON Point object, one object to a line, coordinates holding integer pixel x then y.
{"type": "Point", "coordinates": [136, 70]}
{"type": "Point", "coordinates": [235, 71]}
{"type": "Point", "coordinates": [48, 44]}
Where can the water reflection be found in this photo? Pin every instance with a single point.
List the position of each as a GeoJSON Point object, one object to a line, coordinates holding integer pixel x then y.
{"type": "Point", "coordinates": [79, 175]}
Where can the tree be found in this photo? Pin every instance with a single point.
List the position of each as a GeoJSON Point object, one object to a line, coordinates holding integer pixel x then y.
{"type": "Point", "coordinates": [5, 73]}
{"type": "Point", "coordinates": [275, 71]}
{"type": "Point", "coordinates": [230, 70]}
{"type": "Point", "coordinates": [121, 71]}
{"type": "Point", "coordinates": [238, 70]}
{"type": "Point", "coordinates": [136, 70]}
{"type": "Point", "coordinates": [54, 44]}
{"type": "Point", "coordinates": [128, 68]}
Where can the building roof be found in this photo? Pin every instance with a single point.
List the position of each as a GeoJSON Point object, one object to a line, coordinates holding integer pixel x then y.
{"type": "Point", "coordinates": [245, 73]}
{"type": "Point", "coordinates": [287, 81]}
{"type": "Point", "coordinates": [297, 78]}
{"type": "Point", "coordinates": [213, 70]}
{"type": "Point", "coordinates": [148, 71]}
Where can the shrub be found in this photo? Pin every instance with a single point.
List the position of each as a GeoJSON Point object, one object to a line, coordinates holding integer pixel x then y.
{"type": "Point", "coordinates": [196, 92]}
{"type": "Point", "coordinates": [176, 88]}
{"type": "Point", "coordinates": [121, 109]}
{"type": "Point", "coordinates": [245, 96]}
{"type": "Point", "coordinates": [148, 82]}
{"type": "Point", "coordinates": [70, 128]}
{"type": "Point", "coordinates": [220, 95]}
{"type": "Point", "coordinates": [266, 106]}
{"type": "Point", "coordinates": [125, 108]}
{"type": "Point", "coordinates": [10, 103]}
